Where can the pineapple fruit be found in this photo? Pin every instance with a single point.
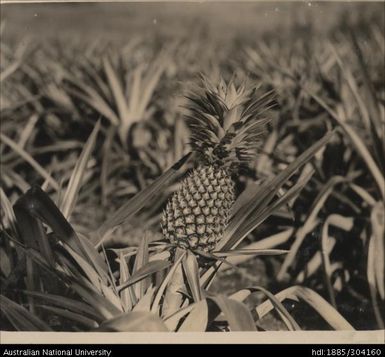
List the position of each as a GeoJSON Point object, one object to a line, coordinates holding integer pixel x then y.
{"type": "Point", "coordinates": [226, 122]}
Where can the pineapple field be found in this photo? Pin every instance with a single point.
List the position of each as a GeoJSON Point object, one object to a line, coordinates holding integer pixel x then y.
{"type": "Point", "coordinates": [192, 167]}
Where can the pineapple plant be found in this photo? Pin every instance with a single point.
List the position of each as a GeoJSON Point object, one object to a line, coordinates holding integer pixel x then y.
{"type": "Point", "coordinates": [227, 122]}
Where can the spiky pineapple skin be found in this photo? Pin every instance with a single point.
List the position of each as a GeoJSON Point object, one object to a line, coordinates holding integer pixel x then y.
{"type": "Point", "coordinates": [197, 214]}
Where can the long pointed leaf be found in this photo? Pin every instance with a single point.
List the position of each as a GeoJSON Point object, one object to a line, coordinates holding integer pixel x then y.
{"type": "Point", "coordinates": [197, 319]}
{"type": "Point", "coordinates": [139, 200]}
{"type": "Point", "coordinates": [23, 318]}
{"type": "Point", "coordinates": [136, 321]}
{"type": "Point", "coordinates": [72, 316]}
{"type": "Point", "coordinates": [28, 158]}
{"type": "Point", "coordinates": [191, 270]}
{"type": "Point", "coordinates": [71, 194]}
{"type": "Point", "coordinates": [236, 313]}
{"type": "Point", "coordinates": [150, 268]}
{"type": "Point", "coordinates": [329, 314]}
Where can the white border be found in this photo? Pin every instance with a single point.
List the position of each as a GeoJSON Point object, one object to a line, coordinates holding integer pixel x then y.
{"type": "Point", "coordinates": [278, 337]}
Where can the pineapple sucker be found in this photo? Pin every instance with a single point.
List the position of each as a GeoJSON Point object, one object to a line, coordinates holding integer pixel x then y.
{"type": "Point", "coordinates": [226, 124]}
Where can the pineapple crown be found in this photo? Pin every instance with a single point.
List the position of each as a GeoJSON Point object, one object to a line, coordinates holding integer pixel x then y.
{"type": "Point", "coordinates": [227, 121]}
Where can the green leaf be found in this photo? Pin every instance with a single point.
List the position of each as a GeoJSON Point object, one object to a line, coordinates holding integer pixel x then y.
{"type": "Point", "coordinates": [375, 264]}
{"type": "Point", "coordinates": [318, 303]}
{"type": "Point", "coordinates": [28, 158]}
{"type": "Point", "coordinates": [69, 199]}
{"type": "Point", "coordinates": [289, 321]}
{"type": "Point", "coordinates": [197, 319]}
{"type": "Point", "coordinates": [116, 89]}
{"type": "Point", "coordinates": [262, 244]}
{"type": "Point", "coordinates": [126, 295]}
{"type": "Point", "coordinates": [139, 201]}
{"type": "Point", "coordinates": [97, 301]}
{"type": "Point", "coordinates": [31, 228]}
{"type": "Point", "coordinates": [97, 261]}
{"type": "Point", "coordinates": [358, 144]}
{"type": "Point", "coordinates": [135, 321]}
{"type": "Point", "coordinates": [141, 259]}
{"type": "Point", "coordinates": [191, 269]}
{"type": "Point", "coordinates": [72, 316]}
{"type": "Point", "coordinates": [372, 101]}
{"type": "Point", "coordinates": [310, 223]}
{"type": "Point", "coordinates": [250, 251]}
{"type": "Point", "coordinates": [144, 304]}
{"type": "Point", "coordinates": [236, 313]}
{"type": "Point", "coordinates": [87, 268]}
{"type": "Point", "coordinates": [377, 218]}
{"type": "Point", "coordinates": [67, 303]}
{"type": "Point", "coordinates": [36, 205]}
{"type": "Point", "coordinates": [5, 263]}
{"type": "Point", "coordinates": [159, 294]}
{"type": "Point", "coordinates": [9, 215]}
{"type": "Point", "coordinates": [327, 244]}
{"type": "Point", "coordinates": [264, 194]}
{"type": "Point", "coordinates": [151, 80]}
{"type": "Point", "coordinates": [172, 320]}
{"type": "Point", "coordinates": [91, 97]}
{"type": "Point", "coordinates": [258, 216]}
{"type": "Point", "coordinates": [150, 268]}
{"type": "Point", "coordinates": [20, 317]}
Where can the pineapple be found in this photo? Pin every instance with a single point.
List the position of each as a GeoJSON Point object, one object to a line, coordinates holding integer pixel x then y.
{"type": "Point", "coordinates": [226, 122]}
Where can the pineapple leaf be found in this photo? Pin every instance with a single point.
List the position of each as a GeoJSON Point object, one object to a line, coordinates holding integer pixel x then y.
{"type": "Point", "coordinates": [134, 321]}
{"type": "Point", "coordinates": [331, 315]}
{"type": "Point", "coordinates": [236, 313]}
{"type": "Point", "coordinates": [226, 121]}
{"type": "Point", "coordinates": [190, 267]}
{"type": "Point", "coordinates": [197, 319]}
{"type": "Point", "coordinates": [20, 317]}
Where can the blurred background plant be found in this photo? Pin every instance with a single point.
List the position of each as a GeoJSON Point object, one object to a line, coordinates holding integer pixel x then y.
{"type": "Point", "coordinates": [97, 119]}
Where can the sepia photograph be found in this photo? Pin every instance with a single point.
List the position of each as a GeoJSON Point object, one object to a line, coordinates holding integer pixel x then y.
{"type": "Point", "coordinates": [189, 167]}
